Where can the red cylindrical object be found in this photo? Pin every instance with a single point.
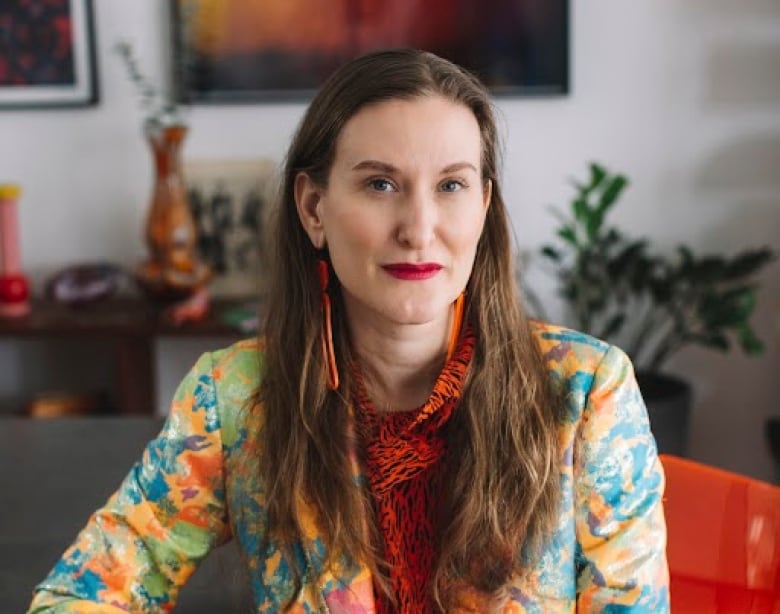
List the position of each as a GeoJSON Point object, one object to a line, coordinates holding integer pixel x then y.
{"type": "Point", "coordinates": [14, 289]}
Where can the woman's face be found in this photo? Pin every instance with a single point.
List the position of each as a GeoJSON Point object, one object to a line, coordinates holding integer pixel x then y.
{"type": "Point", "coordinates": [403, 210]}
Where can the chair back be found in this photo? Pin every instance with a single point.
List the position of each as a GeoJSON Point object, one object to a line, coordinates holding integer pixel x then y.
{"type": "Point", "coordinates": [723, 540]}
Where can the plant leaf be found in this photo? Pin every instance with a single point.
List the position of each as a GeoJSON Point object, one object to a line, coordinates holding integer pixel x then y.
{"type": "Point", "coordinates": [613, 326]}
{"type": "Point", "coordinates": [581, 210]}
{"type": "Point", "coordinates": [731, 308]}
{"type": "Point", "coordinates": [593, 224]}
{"type": "Point", "coordinates": [612, 192]}
{"type": "Point", "coordinates": [707, 270]}
{"type": "Point", "coordinates": [597, 175]}
{"type": "Point", "coordinates": [714, 339]}
{"type": "Point", "coordinates": [551, 253]}
{"type": "Point", "coordinates": [750, 343]}
{"type": "Point", "coordinates": [747, 263]}
{"type": "Point", "coordinates": [568, 234]}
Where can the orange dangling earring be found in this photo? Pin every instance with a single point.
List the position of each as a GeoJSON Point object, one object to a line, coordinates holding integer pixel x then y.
{"type": "Point", "coordinates": [326, 334]}
{"type": "Point", "coordinates": [457, 323]}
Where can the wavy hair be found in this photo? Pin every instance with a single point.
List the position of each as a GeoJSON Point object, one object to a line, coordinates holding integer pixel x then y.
{"type": "Point", "coordinates": [503, 485]}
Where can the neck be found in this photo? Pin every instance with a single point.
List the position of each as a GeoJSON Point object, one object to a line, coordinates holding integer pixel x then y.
{"type": "Point", "coordinates": [400, 362]}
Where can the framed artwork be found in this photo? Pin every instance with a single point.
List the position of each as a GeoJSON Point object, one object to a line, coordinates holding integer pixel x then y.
{"type": "Point", "coordinates": [244, 50]}
{"type": "Point", "coordinates": [47, 54]}
{"type": "Point", "coordinates": [229, 200]}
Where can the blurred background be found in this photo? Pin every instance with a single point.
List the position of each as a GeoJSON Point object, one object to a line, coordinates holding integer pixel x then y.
{"type": "Point", "coordinates": [681, 96]}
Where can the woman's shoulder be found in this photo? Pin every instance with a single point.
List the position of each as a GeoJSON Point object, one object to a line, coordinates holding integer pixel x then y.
{"type": "Point", "coordinates": [566, 350]}
{"type": "Point", "coordinates": [239, 363]}
{"type": "Point", "coordinates": [234, 374]}
{"type": "Point", "coordinates": [582, 366]}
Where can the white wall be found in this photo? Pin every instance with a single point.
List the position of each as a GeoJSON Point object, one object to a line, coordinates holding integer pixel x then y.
{"type": "Point", "coordinates": [682, 95]}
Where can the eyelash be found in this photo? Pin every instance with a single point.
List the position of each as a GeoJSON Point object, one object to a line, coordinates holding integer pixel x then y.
{"type": "Point", "coordinates": [374, 181]}
{"type": "Point", "coordinates": [460, 183]}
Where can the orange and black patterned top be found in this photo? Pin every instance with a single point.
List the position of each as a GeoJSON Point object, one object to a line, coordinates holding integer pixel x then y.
{"type": "Point", "coordinates": [404, 462]}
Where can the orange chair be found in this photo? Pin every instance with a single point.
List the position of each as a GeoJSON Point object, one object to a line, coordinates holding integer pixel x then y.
{"type": "Point", "coordinates": [724, 540]}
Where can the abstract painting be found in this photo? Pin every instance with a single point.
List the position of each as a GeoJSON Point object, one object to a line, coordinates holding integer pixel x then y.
{"type": "Point", "coordinates": [47, 54]}
{"type": "Point", "coordinates": [244, 50]}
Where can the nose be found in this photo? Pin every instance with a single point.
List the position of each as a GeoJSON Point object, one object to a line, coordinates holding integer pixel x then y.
{"type": "Point", "coordinates": [417, 220]}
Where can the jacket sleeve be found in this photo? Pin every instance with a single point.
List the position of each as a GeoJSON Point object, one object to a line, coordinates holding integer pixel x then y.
{"type": "Point", "coordinates": [139, 549]}
{"type": "Point", "coordinates": [619, 481]}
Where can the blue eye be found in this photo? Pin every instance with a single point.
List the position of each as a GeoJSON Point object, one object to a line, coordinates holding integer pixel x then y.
{"type": "Point", "coordinates": [380, 185]}
{"type": "Point", "coordinates": [452, 185]}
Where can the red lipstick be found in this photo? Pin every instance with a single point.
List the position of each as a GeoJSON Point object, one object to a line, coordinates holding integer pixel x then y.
{"type": "Point", "coordinates": [413, 271]}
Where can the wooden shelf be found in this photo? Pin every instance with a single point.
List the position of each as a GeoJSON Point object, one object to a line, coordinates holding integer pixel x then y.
{"type": "Point", "coordinates": [116, 317]}
{"type": "Point", "coordinates": [131, 325]}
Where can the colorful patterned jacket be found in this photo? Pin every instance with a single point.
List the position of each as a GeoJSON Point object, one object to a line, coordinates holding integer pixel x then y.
{"type": "Point", "coordinates": [197, 486]}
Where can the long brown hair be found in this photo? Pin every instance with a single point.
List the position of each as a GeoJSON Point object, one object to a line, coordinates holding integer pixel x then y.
{"type": "Point", "coordinates": [503, 490]}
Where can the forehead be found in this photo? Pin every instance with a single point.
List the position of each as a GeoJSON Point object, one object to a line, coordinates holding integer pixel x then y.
{"type": "Point", "coordinates": [424, 130]}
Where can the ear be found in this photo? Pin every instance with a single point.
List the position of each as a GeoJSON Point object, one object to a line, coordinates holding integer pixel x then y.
{"type": "Point", "coordinates": [308, 198]}
{"type": "Point", "coordinates": [487, 193]}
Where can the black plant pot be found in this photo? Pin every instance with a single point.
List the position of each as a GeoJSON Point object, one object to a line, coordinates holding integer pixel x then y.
{"type": "Point", "coordinates": [668, 400]}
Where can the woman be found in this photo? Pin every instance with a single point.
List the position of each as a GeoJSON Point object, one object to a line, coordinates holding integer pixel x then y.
{"type": "Point", "coordinates": [403, 439]}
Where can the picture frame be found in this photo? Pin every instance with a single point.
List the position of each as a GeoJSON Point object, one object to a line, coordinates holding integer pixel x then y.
{"type": "Point", "coordinates": [230, 200]}
{"type": "Point", "coordinates": [49, 50]}
{"type": "Point", "coordinates": [243, 51]}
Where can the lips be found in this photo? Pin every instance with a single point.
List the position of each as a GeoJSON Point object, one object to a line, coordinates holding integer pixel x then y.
{"type": "Point", "coordinates": [413, 271]}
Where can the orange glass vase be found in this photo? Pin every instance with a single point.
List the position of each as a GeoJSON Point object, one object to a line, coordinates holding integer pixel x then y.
{"type": "Point", "coordinates": [173, 270]}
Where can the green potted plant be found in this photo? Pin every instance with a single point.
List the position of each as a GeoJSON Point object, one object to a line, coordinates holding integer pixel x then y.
{"type": "Point", "coordinates": [651, 304]}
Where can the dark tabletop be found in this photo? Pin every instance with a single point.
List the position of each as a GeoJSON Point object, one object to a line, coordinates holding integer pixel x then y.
{"type": "Point", "coordinates": [53, 475]}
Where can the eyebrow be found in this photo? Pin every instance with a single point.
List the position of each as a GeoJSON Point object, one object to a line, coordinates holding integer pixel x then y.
{"type": "Point", "coordinates": [374, 165]}
{"type": "Point", "coordinates": [384, 167]}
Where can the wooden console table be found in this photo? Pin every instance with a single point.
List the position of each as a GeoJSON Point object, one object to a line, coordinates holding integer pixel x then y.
{"type": "Point", "coordinates": [131, 325]}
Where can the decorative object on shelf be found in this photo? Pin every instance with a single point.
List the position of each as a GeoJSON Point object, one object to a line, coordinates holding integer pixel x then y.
{"type": "Point", "coordinates": [229, 200]}
{"type": "Point", "coordinates": [84, 284]}
{"type": "Point", "coordinates": [14, 288]}
{"type": "Point", "coordinates": [48, 53]}
{"type": "Point", "coordinates": [651, 304]}
{"type": "Point", "coordinates": [64, 404]}
{"type": "Point", "coordinates": [192, 309]}
{"type": "Point", "coordinates": [245, 318]}
{"type": "Point", "coordinates": [173, 271]}
{"type": "Point", "coordinates": [243, 51]}
{"type": "Point", "coordinates": [159, 107]}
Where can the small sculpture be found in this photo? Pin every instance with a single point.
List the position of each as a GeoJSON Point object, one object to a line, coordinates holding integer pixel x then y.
{"type": "Point", "coordinates": [83, 284]}
{"type": "Point", "coordinates": [14, 289]}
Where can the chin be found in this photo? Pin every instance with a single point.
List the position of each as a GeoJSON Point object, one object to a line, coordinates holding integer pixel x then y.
{"type": "Point", "coordinates": [405, 310]}
{"type": "Point", "coordinates": [418, 314]}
